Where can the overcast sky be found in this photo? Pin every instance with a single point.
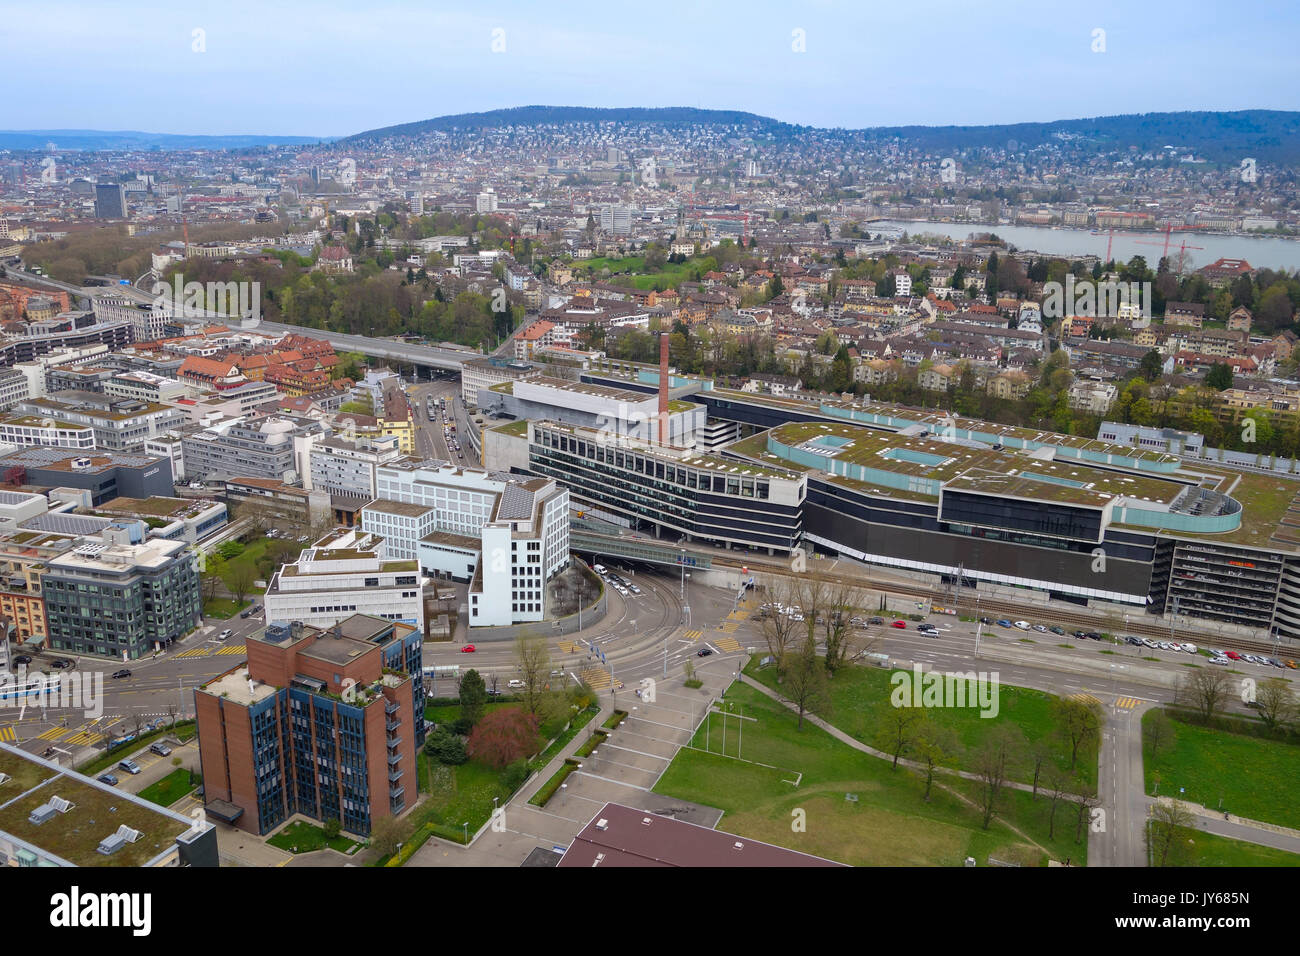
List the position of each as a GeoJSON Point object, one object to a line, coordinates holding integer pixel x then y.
{"type": "Point", "coordinates": [333, 68]}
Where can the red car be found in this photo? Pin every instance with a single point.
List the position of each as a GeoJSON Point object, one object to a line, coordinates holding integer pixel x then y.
{"type": "Point", "coordinates": [1233, 655]}
{"type": "Point", "coordinates": [467, 649]}
{"type": "Point", "coordinates": [902, 624]}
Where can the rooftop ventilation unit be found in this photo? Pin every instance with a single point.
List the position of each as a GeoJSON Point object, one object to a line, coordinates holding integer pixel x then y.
{"type": "Point", "coordinates": [111, 845]}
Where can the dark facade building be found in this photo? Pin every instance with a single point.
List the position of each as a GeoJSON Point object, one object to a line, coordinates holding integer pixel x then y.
{"type": "Point", "coordinates": [110, 201]}
{"type": "Point", "coordinates": [122, 598]}
{"type": "Point", "coordinates": [105, 476]}
{"type": "Point", "coordinates": [326, 723]}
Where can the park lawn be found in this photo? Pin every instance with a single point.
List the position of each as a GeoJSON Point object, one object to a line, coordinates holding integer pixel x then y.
{"type": "Point", "coordinates": [860, 706]}
{"type": "Point", "coordinates": [1253, 776]}
{"type": "Point", "coordinates": [170, 788]}
{"type": "Point", "coordinates": [1209, 849]}
{"type": "Point", "coordinates": [889, 824]}
{"type": "Point", "coordinates": [456, 795]}
{"type": "Point", "coordinates": [303, 837]}
{"type": "Point", "coordinates": [224, 608]}
{"type": "Point", "coordinates": [450, 713]}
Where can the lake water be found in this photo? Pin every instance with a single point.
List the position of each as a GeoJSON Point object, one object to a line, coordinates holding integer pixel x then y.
{"type": "Point", "coordinates": [1260, 252]}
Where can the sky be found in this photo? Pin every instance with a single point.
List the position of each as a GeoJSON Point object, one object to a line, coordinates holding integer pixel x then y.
{"type": "Point", "coordinates": [332, 68]}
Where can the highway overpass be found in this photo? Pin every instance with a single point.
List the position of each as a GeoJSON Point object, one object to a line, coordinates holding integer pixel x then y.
{"type": "Point", "coordinates": [399, 353]}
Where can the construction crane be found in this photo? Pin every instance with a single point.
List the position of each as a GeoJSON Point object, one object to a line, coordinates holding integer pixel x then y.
{"type": "Point", "coordinates": [1169, 231]}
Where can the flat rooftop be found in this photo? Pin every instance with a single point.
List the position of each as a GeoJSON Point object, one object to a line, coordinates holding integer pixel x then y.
{"type": "Point", "coordinates": [96, 812]}
{"type": "Point", "coordinates": [403, 509]}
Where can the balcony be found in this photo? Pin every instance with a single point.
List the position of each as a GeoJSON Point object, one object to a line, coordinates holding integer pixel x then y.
{"type": "Point", "coordinates": [394, 741]}
{"type": "Point", "coordinates": [391, 707]}
{"type": "Point", "coordinates": [394, 759]}
{"type": "Point", "coordinates": [392, 725]}
{"type": "Point", "coordinates": [395, 775]}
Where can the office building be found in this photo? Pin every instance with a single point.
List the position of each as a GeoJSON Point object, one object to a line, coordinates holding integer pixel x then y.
{"type": "Point", "coordinates": [121, 597]}
{"type": "Point", "coordinates": [260, 447]}
{"type": "Point", "coordinates": [110, 201]}
{"type": "Point", "coordinates": [346, 573]}
{"type": "Point", "coordinates": [323, 723]}
{"type": "Point", "coordinates": [119, 425]}
{"type": "Point", "coordinates": [103, 476]}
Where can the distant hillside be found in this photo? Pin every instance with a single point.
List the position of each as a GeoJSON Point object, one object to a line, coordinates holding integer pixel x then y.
{"type": "Point", "coordinates": [544, 115]}
{"type": "Point", "coordinates": [1267, 135]}
{"type": "Point", "coordinates": [94, 139]}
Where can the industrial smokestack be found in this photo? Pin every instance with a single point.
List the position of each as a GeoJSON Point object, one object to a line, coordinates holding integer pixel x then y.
{"type": "Point", "coordinates": [663, 388]}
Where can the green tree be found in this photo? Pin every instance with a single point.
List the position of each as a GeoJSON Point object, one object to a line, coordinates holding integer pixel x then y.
{"type": "Point", "coordinates": [1151, 365]}
{"type": "Point", "coordinates": [1219, 377]}
{"type": "Point", "coordinates": [473, 697]}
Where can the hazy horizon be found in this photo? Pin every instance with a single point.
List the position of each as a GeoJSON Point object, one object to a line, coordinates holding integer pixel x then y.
{"type": "Point", "coordinates": [254, 70]}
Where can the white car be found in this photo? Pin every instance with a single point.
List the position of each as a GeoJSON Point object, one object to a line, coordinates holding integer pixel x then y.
{"type": "Point", "coordinates": [1041, 629]}
{"type": "Point", "coordinates": [1220, 660]}
{"type": "Point", "coordinates": [1022, 625]}
{"type": "Point", "coordinates": [515, 685]}
{"type": "Point", "coordinates": [1189, 648]}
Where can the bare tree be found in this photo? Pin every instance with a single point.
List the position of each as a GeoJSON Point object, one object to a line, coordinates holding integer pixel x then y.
{"type": "Point", "coordinates": [1277, 704]}
{"type": "Point", "coordinates": [1205, 690]}
{"type": "Point", "coordinates": [992, 763]}
{"type": "Point", "coordinates": [899, 729]}
{"type": "Point", "coordinates": [239, 577]}
{"type": "Point", "coordinates": [1058, 787]}
{"type": "Point", "coordinates": [838, 633]}
{"type": "Point", "coordinates": [1079, 723]}
{"type": "Point", "coordinates": [1040, 753]}
{"type": "Point", "coordinates": [934, 744]}
{"type": "Point", "coordinates": [533, 659]}
{"type": "Point", "coordinates": [1157, 731]}
{"type": "Point", "coordinates": [780, 630]}
{"type": "Point", "coordinates": [1087, 800]}
{"type": "Point", "coordinates": [1167, 831]}
{"type": "Point", "coordinates": [805, 680]}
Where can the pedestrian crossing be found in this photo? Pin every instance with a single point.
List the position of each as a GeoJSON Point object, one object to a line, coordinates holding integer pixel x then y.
{"type": "Point", "coordinates": [1127, 703]}
{"type": "Point", "coordinates": [54, 733]}
{"type": "Point", "coordinates": [1086, 699]}
{"type": "Point", "coordinates": [8, 735]}
{"type": "Point", "coordinates": [86, 738]}
{"type": "Point", "coordinates": [597, 677]}
{"type": "Point", "coordinates": [568, 647]}
{"type": "Point", "coordinates": [729, 627]}
{"type": "Point", "coordinates": [727, 644]}
{"type": "Point", "coordinates": [196, 652]}
{"type": "Point", "coordinates": [693, 635]}
{"type": "Point", "coordinates": [236, 649]}
{"type": "Point", "coordinates": [738, 615]}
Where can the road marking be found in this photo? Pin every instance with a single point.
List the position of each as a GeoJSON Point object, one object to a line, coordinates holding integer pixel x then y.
{"type": "Point", "coordinates": [597, 677]}
{"type": "Point", "coordinates": [54, 733]}
{"type": "Point", "coordinates": [86, 738]}
{"type": "Point", "coordinates": [196, 652]}
{"type": "Point", "coordinates": [8, 734]}
{"type": "Point", "coordinates": [694, 635]}
{"type": "Point", "coordinates": [727, 644]}
{"type": "Point", "coordinates": [237, 649]}
{"type": "Point", "coordinates": [1127, 703]}
{"type": "Point", "coordinates": [569, 647]}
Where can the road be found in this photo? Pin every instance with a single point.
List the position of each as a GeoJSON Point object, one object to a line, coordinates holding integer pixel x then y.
{"type": "Point", "coordinates": [429, 438]}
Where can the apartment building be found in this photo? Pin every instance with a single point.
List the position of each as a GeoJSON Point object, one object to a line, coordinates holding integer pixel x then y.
{"type": "Point", "coordinates": [120, 425]}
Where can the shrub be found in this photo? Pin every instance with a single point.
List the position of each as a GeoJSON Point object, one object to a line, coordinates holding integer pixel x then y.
{"type": "Point", "coordinates": [332, 828]}
{"type": "Point", "coordinates": [548, 789]}
{"type": "Point", "coordinates": [515, 775]}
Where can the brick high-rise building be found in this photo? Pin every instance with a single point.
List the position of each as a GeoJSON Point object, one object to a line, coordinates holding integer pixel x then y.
{"type": "Point", "coordinates": [326, 723]}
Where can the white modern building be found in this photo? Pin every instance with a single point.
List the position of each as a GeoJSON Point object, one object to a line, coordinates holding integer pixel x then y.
{"type": "Point", "coordinates": [343, 574]}
{"type": "Point", "coordinates": [507, 536]}
{"type": "Point", "coordinates": [343, 467]}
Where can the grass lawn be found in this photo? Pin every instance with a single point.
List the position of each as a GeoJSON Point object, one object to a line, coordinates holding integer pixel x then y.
{"type": "Point", "coordinates": [630, 270]}
{"type": "Point", "coordinates": [889, 824]}
{"type": "Point", "coordinates": [860, 707]}
{"type": "Point", "coordinates": [170, 788]}
{"type": "Point", "coordinates": [1208, 849]}
{"type": "Point", "coordinates": [223, 608]}
{"type": "Point", "coordinates": [303, 837]}
{"type": "Point", "coordinates": [450, 713]}
{"type": "Point", "coordinates": [1254, 777]}
{"type": "Point", "coordinates": [455, 795]}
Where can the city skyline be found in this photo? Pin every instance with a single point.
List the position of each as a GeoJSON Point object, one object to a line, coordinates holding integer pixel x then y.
{"type": "Point", "coordinates": [251, 70]}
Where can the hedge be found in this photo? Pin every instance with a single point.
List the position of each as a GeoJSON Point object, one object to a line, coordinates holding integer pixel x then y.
{"type": "Point", "coordinates": [615, 719]}
{"type": "Point", "coordinates": [597, 738]}
{"type": "Point", "coordinates": [549, 788]}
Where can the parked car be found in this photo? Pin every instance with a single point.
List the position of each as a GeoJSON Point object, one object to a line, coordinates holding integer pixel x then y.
{"type": "Point", "coordinates": [1190, 648]}
{"type": "Point", "coordinates": [899, 624]}
{"type": "Point", "coordinates": [1040, 628]}
{"type": "Point", "coordinates": [1092, 636]}
{"type": "Point", "coordinates": [516, 684]}
{"type": "Point", "coordinates": [1003, 622]}
{"type": "Point", "coordinates": [121, 673]}
{"type": "Point", "coordinates": [130, 766]}
{"type": "Point", "coordinates": [22, 659]}
{"type": "Point", "coordinates": [1233, 656]}
{"type": "Point", "coordinates": [467, 649]}
{"type": "Point", "coordinates": [1292, 665]}
{"type": "Point", "coordinates": [1079, 634]}
{"type": "Point", "coordinates": [60, 663]}
{"type": "Point", "coordinates": [1222, 661]}
{"type": "Point", "coordinates": [1135, 641]}
{"type": "Point", "coordinates": [107, 778]}
{"type": "Point", "coordinates": [1021, 625]}
{"type": "Point", "coordinates": [162, 750]}
{"type": "Point", "coordinates": [986, 620]}
{"type": "Point", "coordinates": [876, 620]}
{"type": "Point", "coordinates": [1056, 629]}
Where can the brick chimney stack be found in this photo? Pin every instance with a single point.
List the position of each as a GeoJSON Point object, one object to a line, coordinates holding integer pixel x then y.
{"type": "Point", "coordinates": [663, 388]}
